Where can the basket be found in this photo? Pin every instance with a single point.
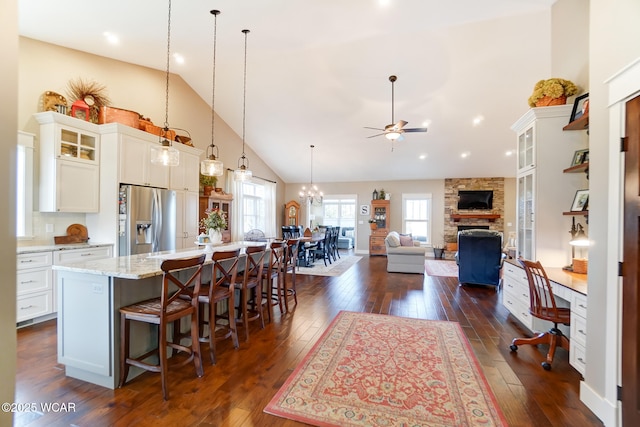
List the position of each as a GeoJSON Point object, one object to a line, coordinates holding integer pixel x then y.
{"type": "Point", "coordinates": [580, 265]}
{"type": "Point", "coordinates": [546, 101]}
{"type": "Point", "coordinates": [157, 130]}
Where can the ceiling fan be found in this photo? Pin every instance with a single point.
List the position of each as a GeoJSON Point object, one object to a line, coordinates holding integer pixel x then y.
{"type": "Point", "coordinates": [394, 131]}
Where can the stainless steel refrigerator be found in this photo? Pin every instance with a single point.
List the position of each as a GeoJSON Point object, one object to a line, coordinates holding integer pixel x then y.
{"type": "Point", "coordinates": [147, 220]}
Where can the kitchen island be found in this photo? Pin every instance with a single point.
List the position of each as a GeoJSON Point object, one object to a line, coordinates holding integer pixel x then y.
{"type": "Point", "coordinates": [90, 295]}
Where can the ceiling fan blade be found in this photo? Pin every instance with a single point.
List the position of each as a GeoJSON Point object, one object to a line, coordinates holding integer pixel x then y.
{"type": "Point", "coordinates": [415, 130]}
{"type": "Point", "coordinates": [395, 127]}
{"type": "Point", "coordinates": [367, 127]}
{"type": "Point", "coordinates": [372, 136]}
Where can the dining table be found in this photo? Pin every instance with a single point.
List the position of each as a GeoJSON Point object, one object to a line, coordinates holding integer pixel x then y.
{"type": "Point", "coordinates": [308, 243]}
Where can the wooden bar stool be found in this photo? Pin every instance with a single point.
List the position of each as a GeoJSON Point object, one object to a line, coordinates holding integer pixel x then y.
{"type": "Point", "coordinates": [163, 311]}
{"type": "Point", "coordinates": [221, 288]}
{"type": "Point", "coordinates": [271, 292]}
{"type": "Point", "coordinates": [293, 246]}
{"type": "Point", "coordinates": [250, 286]}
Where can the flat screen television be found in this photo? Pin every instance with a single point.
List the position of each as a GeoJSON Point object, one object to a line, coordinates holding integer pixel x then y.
{"type": "Point", "coordinates": [475, 199]}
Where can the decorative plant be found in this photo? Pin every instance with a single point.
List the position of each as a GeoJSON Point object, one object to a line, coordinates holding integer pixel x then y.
{"type": "Point", "coordinates": [208, 181]}
{"type": "Point", "coordinates": [372, 221]}
{"type": "Point", "coordinates": [382, 194]}
{"type": "Point", "coordinates": [215, 220]}
{"type": "Point", "coordinates": [553, 88]}
{"type": "Point", "coordinates": [93, 93]}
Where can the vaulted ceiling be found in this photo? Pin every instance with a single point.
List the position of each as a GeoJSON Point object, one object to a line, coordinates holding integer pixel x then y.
{"type": "Point", "coordinates": [317, 73]}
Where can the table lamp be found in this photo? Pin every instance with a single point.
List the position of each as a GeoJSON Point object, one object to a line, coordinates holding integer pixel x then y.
{"type": "Point", "coordinates": [578, 239]}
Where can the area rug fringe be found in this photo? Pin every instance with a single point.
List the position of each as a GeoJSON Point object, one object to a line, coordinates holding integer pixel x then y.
{"type": "Point", "coordinates": [380, 370]}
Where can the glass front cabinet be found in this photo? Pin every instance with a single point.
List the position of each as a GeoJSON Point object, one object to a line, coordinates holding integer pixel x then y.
{"type": "Point", "coordinates": [544, 192]}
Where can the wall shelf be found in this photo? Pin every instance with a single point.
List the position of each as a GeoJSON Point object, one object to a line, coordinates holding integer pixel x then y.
{"type": "Point", "coordinates": [490, 217]}
{"type": "Point", "coordinates": [584, 167]}
{"type": "Point", "coordinates": [579, 124]}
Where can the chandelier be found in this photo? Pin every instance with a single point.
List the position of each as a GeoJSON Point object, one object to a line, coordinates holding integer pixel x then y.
{"type": "Point", "coordinates": [211, 166]}
{"type": "Point", "coordinates": [311, 194]}
{"type": "Point", "coordinates": [166, 154]}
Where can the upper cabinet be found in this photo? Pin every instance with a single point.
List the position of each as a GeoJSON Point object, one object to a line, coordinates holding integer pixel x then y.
{"type": "Point", "coordinates": [185, 175]}
{"type": "Point", "coordinates": [543, 191]}
{"type": "Point", "coordinates": [134, 165]}
{"type": "Point", "coordinates": [69, 164]}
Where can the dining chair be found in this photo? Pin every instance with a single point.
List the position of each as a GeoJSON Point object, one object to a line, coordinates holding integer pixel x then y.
{"type": "Point", "coordinates": [321, 251]}
{"type": "Point", "coordinates": [250, 287]}
{"type": "Point", "coordinates": [221, 288]}
{"type": "Point", "coordinates": [163, 311]}
{"type": "Point", "coordinates": [542, 304]}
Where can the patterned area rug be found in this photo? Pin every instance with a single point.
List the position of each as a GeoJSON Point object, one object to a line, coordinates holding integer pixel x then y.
{"type": "Point", "coordinates": [336, 268]}
{"type": "Point", "coordinates": [441, 268]}
{"type": "Point", "coordinates": [379, 370]}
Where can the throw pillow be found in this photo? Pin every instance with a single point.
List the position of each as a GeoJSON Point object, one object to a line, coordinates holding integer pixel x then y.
{"type": "Point", "coordinates": [393, 239]}
{"type": "Point", "coordinates": [406, 240]}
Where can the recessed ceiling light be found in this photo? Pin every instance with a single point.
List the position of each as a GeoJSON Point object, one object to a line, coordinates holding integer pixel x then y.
{"type": "Point", "coordinates": [509, 153]}
{"type": "Point", "coordinates": [426, 123]}
{"type": "Point", "coordinates": [178, 58]}
{"type": "Point", "coordinates": [477, 120]}
{"type": "Point", "coordinates": [384, 3]}
{"type": "Point", "coordinates": [422, 156]}
{"type": "Point", "coordinates": [465, 154]}
{"type": "Point", "coordinates": [111, 38]}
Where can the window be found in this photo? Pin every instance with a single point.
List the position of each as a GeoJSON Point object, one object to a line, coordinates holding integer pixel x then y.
{"type": "Point", "coordinates": [253, 206]}
{"type": "Point", "coordinates": [416, 216]}
{"type": "Point", "coordinates": [24, 186]}
{"type": "Point", "coordinates": [339, 211]}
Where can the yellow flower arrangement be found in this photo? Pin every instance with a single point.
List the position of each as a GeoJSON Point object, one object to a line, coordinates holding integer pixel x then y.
{"type": "Point", "coordinates": [553, 88]}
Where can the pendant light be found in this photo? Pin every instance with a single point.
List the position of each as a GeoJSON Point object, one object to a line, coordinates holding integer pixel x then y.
{"type": "Point", "coordinates": [242, 173]}
{"type": "Point", "coordinates": [210, 166]}
{"type": "Point", "coordinates": [164, 153]}
{"type": "Point", "coordinates": [312, 194]}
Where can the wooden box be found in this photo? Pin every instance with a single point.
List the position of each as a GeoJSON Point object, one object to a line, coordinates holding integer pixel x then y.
{"type": "Point", "coordinates": [117, 115]}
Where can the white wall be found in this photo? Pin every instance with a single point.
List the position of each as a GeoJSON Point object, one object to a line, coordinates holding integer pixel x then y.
{"type": "Point", "coordinates": [130, 87]}
{"type": "Point", "coordinates": [8, 137]}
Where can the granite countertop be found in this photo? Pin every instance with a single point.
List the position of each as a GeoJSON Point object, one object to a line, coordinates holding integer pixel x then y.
{"type": "Point", "coordinates": [142, 266]}
{"type": "Point", "coordinates": [26, 248]}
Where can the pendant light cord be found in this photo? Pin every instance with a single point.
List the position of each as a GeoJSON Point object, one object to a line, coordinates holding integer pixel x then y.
{"type": "Point", "coordinates": [311, 168]}
{"type": "Point", "coordinates": [166, 104]}
{"type": "Point", "coordinates": [244, 100]}
{"type": "Point", "coordinates": [215, 14]}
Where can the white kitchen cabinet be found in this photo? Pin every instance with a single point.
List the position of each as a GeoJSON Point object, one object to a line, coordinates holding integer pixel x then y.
{"type": "Point", "coordinates": [69, 164]}
{"type": "Point", "coordinates": [186, 218]}
{"type": "Point", "coordinates": [185, 176]}
{"type": "Point", "coordinates": [543, 190]}
{"type": "Point", "coordinates": [135, 165]}
{"type": "Point", "coordinates": [34, 286]}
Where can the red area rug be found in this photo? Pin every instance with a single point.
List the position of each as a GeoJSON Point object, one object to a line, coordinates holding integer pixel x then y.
{"type": "Point", "coordinates": [441, 268]}
{"type": "Point", "coordinates": [379, 370]}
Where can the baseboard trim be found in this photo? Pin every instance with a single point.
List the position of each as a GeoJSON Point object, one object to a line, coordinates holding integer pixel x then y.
{"type": "Point", "coordinates": [607, 411]}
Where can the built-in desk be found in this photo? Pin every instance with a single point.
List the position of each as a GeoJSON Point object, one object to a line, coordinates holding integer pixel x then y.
{"type": "Point", "coordinates": [570, 290]}
{"type": "Point", "coordinates": [90, 295]}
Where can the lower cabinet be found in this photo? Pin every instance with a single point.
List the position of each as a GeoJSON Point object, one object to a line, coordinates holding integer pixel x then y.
{"type": "Point", "coordinates": [35, 280]}
{"type": "Point", "coordinates": [376, 245]}
{"type": "Point", "coordinates": [34, 286]}
{"type": "Point", "coordinates": [515, 297]}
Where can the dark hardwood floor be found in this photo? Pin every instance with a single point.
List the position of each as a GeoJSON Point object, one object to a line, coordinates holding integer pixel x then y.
{"type": "Point", "coordinates": [234, 392]}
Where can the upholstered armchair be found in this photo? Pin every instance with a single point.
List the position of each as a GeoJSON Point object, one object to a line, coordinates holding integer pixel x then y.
{"type": "Point", "coordinates": [404, 255]}
{"type": "Point", "coordinates": [480, 257]}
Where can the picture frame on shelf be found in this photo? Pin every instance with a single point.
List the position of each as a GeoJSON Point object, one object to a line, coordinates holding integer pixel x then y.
{"type": "Point", "coordinates": [580, 157]}
{"type": "Point", "coordinates": [580, 201]}
{"type": "Point", "coordinates": [580, 107]}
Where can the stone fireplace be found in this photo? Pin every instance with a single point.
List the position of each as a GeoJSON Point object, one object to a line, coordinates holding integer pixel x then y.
{"type": "Point", "coordinates": [488, 219]}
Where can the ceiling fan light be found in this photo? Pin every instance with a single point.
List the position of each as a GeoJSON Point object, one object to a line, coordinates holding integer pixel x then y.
{"type": "Point", "coordinates": [392, 136]}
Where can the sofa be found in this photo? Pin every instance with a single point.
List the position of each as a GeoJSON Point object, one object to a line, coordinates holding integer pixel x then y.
{"type": "Point", "coordinates": [480, 257]}
{"type": "Point", "coordinates": [345, 239]}
{"type": "Point", "coordinates": [404, 255]}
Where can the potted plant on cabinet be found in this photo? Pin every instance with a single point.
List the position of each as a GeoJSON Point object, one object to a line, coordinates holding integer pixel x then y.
{"type": "Point", "coordinates": [552, 92]}
{"type": "Point", "coordinates": [208, 183]}
{"type": "Point", "coordinates": [373, 224]}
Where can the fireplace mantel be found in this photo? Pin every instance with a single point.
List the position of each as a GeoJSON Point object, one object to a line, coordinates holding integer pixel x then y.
{"type": "Point", "coordinates": [490, 217]}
